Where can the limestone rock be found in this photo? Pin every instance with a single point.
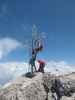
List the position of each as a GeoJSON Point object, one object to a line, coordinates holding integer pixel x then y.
{"type": "Point", "coordinates": [24, 88]}
{"type": "Point", "coordinates": [36, 88]}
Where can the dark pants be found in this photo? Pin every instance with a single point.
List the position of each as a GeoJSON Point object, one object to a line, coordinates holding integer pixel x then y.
{"type": "Point", "coordinates": [33, 67]}
{"type": "Point", "coordinates": [41, 68]}
{"type": "Point", "coordinates": [59, 93]}
{"type": "Point", "coordinates": [32, 63]}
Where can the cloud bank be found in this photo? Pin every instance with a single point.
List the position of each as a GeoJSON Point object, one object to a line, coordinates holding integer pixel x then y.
{"type": "Point", "coordinates": [9, 71]}
{"type": "Point", "coordinates": [59, 68]}
{"type": "Point", "coordinates": [7, 45]}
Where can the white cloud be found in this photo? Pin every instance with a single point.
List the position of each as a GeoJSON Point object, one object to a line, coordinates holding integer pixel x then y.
{"type": "Point", "coordinates": [7, 45]}
{"type": "Point", "coordinates": [59, 68]}
{"type": "Point", "coordinates": [11, 70]}
{"type": "Point", "coordinates": [14, 69]}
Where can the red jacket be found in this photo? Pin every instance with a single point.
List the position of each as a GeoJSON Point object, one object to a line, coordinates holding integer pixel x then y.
{"type": "Point", "coordinates": [41, 62]}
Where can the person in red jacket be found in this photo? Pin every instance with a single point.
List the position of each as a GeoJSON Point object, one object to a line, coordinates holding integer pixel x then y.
{"type": "Point", "coordinates": [41, 66]}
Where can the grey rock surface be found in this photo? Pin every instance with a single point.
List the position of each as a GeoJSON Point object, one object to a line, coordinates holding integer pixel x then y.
{"type": "Point", "coordinates": [24, 88]}
{"type": "Point", "coordinates": [36, 88]}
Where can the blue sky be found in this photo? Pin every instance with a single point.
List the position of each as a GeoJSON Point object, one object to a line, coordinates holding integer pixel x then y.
{"type": "Point", "coordinates": [54, 17]}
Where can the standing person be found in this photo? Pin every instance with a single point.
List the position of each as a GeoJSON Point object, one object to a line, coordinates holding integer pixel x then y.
{"type": "Point", "coordinates": [57, 87]}
{"type": "Point", "coordinates": [33, 59]}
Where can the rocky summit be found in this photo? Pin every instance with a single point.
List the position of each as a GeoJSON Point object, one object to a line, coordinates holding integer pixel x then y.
{"type": "Point", "coordinates": [38, 87]}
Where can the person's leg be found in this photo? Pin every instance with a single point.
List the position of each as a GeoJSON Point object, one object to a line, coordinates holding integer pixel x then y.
{"type": "Point", "coordinates": [42, 68]}
{"type": "Point", "coordinates": [58, 97]}
{"type": "Point", "coordinates": [35, 68]}
{"type": "Point", "coordinates": [31, 68]}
